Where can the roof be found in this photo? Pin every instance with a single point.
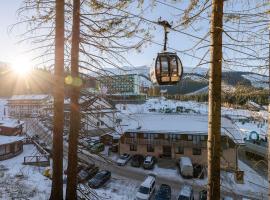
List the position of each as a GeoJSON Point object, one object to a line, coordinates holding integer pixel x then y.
{"type": "Point", "coordinates": [9, 139]}
{"type": "Point", "coordinates": [185, 161]}
{"type": "Point", "coordinates": [148, 181]}
{"type": "Point", "coordinates": [177, 124]}
{"type": "Point", "coordinates": [29, 97]}
{"type": "Point", "coordinates": [10, 123]}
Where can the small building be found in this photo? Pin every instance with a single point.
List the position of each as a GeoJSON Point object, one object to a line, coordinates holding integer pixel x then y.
{"type": "Point", "coordinates": [110, 138]}
{"type": "Point", "coordinates": [11, 127]}
{"type": "Point", "coordinates": [28, 105]}
{"type": "Point", "coordinates": [10, 146]}
{"type": "Point", "coordinates": [174, 136]}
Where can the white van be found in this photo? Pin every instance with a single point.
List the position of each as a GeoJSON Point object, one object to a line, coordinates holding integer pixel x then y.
{"type": "Point", "coordinates": [186, 167]}
{"type": "Point", "coordinates": [147, 188]}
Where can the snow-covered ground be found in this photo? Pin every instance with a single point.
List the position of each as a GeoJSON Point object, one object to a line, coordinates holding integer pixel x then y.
{"type": "Point", "coordinates": [20, 181]}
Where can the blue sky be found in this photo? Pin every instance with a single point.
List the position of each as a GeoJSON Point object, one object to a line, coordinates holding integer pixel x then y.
{"type": "Point", "coordinates": [9, 50]}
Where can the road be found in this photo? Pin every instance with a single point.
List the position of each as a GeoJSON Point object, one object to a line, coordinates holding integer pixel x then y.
{"type": "Point", "coordinates": [131, 173]}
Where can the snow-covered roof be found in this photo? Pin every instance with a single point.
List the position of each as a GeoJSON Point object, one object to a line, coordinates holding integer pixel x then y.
{"type": "Point", "coordinates": [10, 123]}
{"type": "Point", "coordinates": [115, 135]}
{"type": "Point", "coordinates": [29, 97]}
{"type": "Point", "coordinates": [177, 124]}
{"type": "Point", "coordinates": [186, 161]}
{"type": "Point", "coordinates": [9, 139]}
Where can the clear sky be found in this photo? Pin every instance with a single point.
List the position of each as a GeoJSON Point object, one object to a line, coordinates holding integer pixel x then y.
{"type": "Point", "coordinates": [10, 50]}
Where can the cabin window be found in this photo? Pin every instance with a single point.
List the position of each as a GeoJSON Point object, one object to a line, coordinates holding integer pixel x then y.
{"type": "Point", "coordinates": [179, 150]}
{"type": "Point", "coordinates": [150, 148]}
{"type": "Point", "coordinates": [133, 147]}
{"type": "Point", "coordinates": [196, 151]}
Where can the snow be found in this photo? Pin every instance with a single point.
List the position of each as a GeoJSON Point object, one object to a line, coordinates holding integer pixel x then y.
{"type": "Point", "coordinates": [9, 139]}
{"type": "Point", "coordinates": [185, 161]}
{"type": "Point", "coordinates": [176, 124]}
{"type": "Point", "coordinates": [23, 181]}
{"type": "Point", "coordinates": [10, 123]}
{"type": "Point", "coordinates": [30, 97]}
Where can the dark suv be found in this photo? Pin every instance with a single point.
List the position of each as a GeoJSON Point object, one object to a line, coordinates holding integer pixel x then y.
{"type": "Point", "coordinates": [163, 193]}
{"type": "Point", "coordinates": [137, 160]}
{"type": "Point", "coordinates": [99, 179]}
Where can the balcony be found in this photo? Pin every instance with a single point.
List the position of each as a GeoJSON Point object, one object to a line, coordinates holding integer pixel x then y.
{"type": "Point", "coordinates": [163, 142]}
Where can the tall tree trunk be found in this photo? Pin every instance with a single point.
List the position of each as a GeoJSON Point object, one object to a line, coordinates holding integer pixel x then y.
{"type": "Point", "coordinates": [71, 192]}
{"type": "Point", "coordinates": [214, 116]}
{"type": "Point", "coordinates": [58, 120]}
{"type": "Point", "coordinates": [268, 120]}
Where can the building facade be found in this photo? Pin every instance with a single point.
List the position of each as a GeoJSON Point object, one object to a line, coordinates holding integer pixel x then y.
{"type": "Point", "coordinates": [28, 105]}
{"type": "Point", "coordinates": [11, 127]}
{"type": "Point", "coordinates": [174, 136]}
{"type": "Point", "coordinates": [10, 146]}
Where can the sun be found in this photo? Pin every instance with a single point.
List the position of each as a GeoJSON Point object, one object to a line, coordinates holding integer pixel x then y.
{"type": "Point", "coordinates": [22, 66]}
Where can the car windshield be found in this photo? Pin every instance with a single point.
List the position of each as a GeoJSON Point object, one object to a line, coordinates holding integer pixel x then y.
{"type": "Point", "coordinates": [183, 198]}
{"type": "Point", "coordinates": [144, 190]}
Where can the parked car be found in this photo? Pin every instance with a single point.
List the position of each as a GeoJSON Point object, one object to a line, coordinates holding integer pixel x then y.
{"type": "Point", "coordinates": [97, 148]}
{"type": "Point", "coordinates": [87, 173]}
{"type": "Point", "coordinates": [123, 159]}
{"type": "Point", "coordinates": [227, 198]}
{"type": "Point", "coordinates": [186, 193]}
{"type": "Point", "coordinates": [186, 167]}
{"type": "Point", "coordinates": [147, 188]}
{"type": "Point", "coordinates": [203, 195]}
{"type": "Point", "coordinates": [136, 160]}
{"type": "Point", "coordinates": [163, 193]}
{"type": "Point", "coordinates": [149, 162]}
{"type": "Point", "coordinates": [198, 171]}
{"type": "Point", "coordinates": [99, 179]}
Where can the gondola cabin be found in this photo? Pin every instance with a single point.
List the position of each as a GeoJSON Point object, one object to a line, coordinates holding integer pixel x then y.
{"type": "Point", "coordinates": [168, 69]}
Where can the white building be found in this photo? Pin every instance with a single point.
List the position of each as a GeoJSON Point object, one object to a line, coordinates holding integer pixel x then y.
{"type": "Point", "coordinates": [27, 105]}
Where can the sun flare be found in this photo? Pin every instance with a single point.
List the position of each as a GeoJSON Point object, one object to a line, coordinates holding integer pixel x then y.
{"type": "Point", "coordinates": [21, 65]}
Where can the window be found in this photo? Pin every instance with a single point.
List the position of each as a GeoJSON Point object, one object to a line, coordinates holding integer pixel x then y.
{"type": "Point", "coordinates": [145, 135]}
{"type": "Point", "coordinates": [98, 123]}
{"type": "Point", "coordinates": [101, 123]}
{"type": "Point", "coordinates": [156, 135]}
{"type": "Point", "coordinates": [2, 150]}
{"type": "Point", "coordinates": [133, 147]}
{"type": "Point", "coordinates": [203, 138]}
{"type": "Point", "coordinates": [189, 137]}
{"type": "Point", "coordinates": [179, 150]}
{"type": "Point", "coordinates": [150, 148]}
{"type": "Point", "coordinates": [196, 151]}
{"type": "Point", "coordinates": [132, 135]}
{"type": "Point", "coordinates": [166, 136]}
